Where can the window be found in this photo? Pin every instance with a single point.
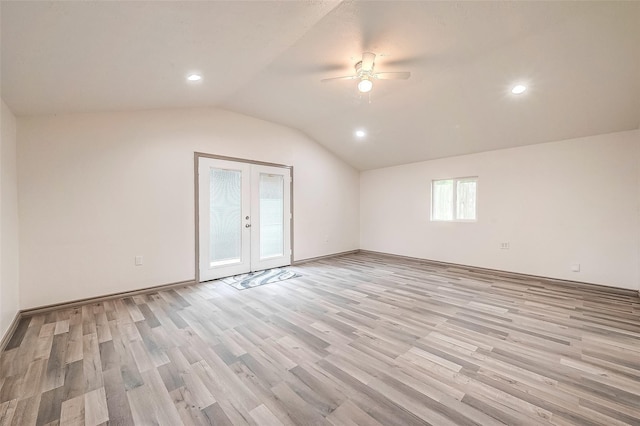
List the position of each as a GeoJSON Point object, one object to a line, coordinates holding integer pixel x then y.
{"type": "Point", "coordinates": [454, 199]}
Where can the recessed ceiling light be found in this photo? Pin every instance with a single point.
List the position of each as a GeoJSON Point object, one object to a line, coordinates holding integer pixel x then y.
{"type": "Point", "coordinates": [194, 77]}
{"type": "Point", "coordinates": [361, 133]}
{"type": "Point", "coordinates": [518, 89]}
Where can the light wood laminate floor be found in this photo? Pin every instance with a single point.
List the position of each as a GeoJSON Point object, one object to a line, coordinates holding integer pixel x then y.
{"type": "Point", "coordinates": [360, 339]}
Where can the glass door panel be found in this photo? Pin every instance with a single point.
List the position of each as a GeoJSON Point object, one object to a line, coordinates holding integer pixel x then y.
{"type": "Point", "coordinates": [271, 208]}
{"type": "Point", "coordinates": [244, 217]}
{"type": "Point", "coordinates": [224, 207]}
{"type": "Point", "coordinates": [271, 189]}
{"type": "Point", "coordinates": [225, 210]}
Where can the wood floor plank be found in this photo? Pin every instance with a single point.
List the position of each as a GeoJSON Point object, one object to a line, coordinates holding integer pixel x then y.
{"type": "Point", "coordinates": [263, 416]}
{"type": "Point", "coordinates": [19, 333]}
{"type": "Point", "coordinates": [50, 406]}
{"type": "Point", "coordinates": [118, 406]}
{"type": "Point", "coordinates": [72, 411]}
{"type": "Point", "coordinates": [349, 414]}
{"type": "Point", "coordinates": [26, 411]}
{"type": "Point", "coordinates": [95, 407]}
{"type": "Point", "coordinates": [143, 409]}
{"type": "Point", "coordinates": [360, 339]}
{"type": "Point", "coordinates": [7, 410]}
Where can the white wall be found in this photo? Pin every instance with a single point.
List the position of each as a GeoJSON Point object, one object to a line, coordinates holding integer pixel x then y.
{"type": "Point", "coordinates": [555, 203]}
{"type": "Point", "coordinates": [98, 189]}
{"type": "Point", "coordinates": [8, 220]}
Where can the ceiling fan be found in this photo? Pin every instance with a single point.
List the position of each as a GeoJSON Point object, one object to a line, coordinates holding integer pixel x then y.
{"type": "Point", "coordinates": [364, 72]}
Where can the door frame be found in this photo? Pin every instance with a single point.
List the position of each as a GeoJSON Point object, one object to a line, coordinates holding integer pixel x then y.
{"type": "Point", "coordinates": [196, 159]}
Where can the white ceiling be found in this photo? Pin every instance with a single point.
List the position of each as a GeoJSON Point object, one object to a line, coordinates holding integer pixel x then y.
{"type": "Point", "coordinates": [580, 60]}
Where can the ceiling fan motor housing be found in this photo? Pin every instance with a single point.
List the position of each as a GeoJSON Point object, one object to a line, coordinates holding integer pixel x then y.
{"type": "Point", "coordinates": [361, 73]}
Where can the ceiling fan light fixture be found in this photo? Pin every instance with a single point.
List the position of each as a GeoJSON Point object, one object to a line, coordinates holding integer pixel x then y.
{"type": "Point", "coordinates": [365, 85]}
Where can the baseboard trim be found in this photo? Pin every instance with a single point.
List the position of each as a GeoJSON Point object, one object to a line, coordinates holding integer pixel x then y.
{"type": "Point", "coordinates": [508, 274]}
{"type": "Point", "coordinates": [326, 256]}
{"type": "Point", "coordinates": [9, 333]}
{"type": "Point", "coordinates": [89, 300]}
{"type": "Point", "coordinates": [105, 297]}
{"type": "Point", "coordinates": [97, 299]}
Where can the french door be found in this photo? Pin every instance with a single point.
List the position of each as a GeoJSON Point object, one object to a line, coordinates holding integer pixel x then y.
{"type": "Point", "coordinates": [244, 217]}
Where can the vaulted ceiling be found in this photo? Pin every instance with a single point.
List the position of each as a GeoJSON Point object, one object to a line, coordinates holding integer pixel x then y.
{"type": "Point", "coordinates": [579, 60]}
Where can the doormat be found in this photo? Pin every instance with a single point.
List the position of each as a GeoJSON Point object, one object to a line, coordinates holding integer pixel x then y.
{"type": "Point", "coordinates": [255, 279]}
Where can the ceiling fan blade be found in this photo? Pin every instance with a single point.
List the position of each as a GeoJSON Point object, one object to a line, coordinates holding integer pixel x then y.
{"type": "Point", "coordinates": [392, 75]}
{"type": "Point", "coordinates": [367, 61]}
{"type": "Point", "coordinates": [411, 61]}
{"type": "Point", "coordinates": [348, 77]}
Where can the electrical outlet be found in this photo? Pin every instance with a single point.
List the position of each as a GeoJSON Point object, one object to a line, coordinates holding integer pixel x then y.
{"type": "Point", "coordinates": [139, 260]}
{"type": "Point", "coordinates": [575, 267]}
{"type": "Point", "coordinates": [504, 246]}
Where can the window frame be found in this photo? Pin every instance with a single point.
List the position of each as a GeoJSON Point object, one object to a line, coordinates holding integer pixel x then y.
{"type": "Point", "coordinates": [455, 199]}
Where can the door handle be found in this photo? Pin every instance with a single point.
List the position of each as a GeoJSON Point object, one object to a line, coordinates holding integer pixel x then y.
{"type": "Point", "coordinates": [248, 225]}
